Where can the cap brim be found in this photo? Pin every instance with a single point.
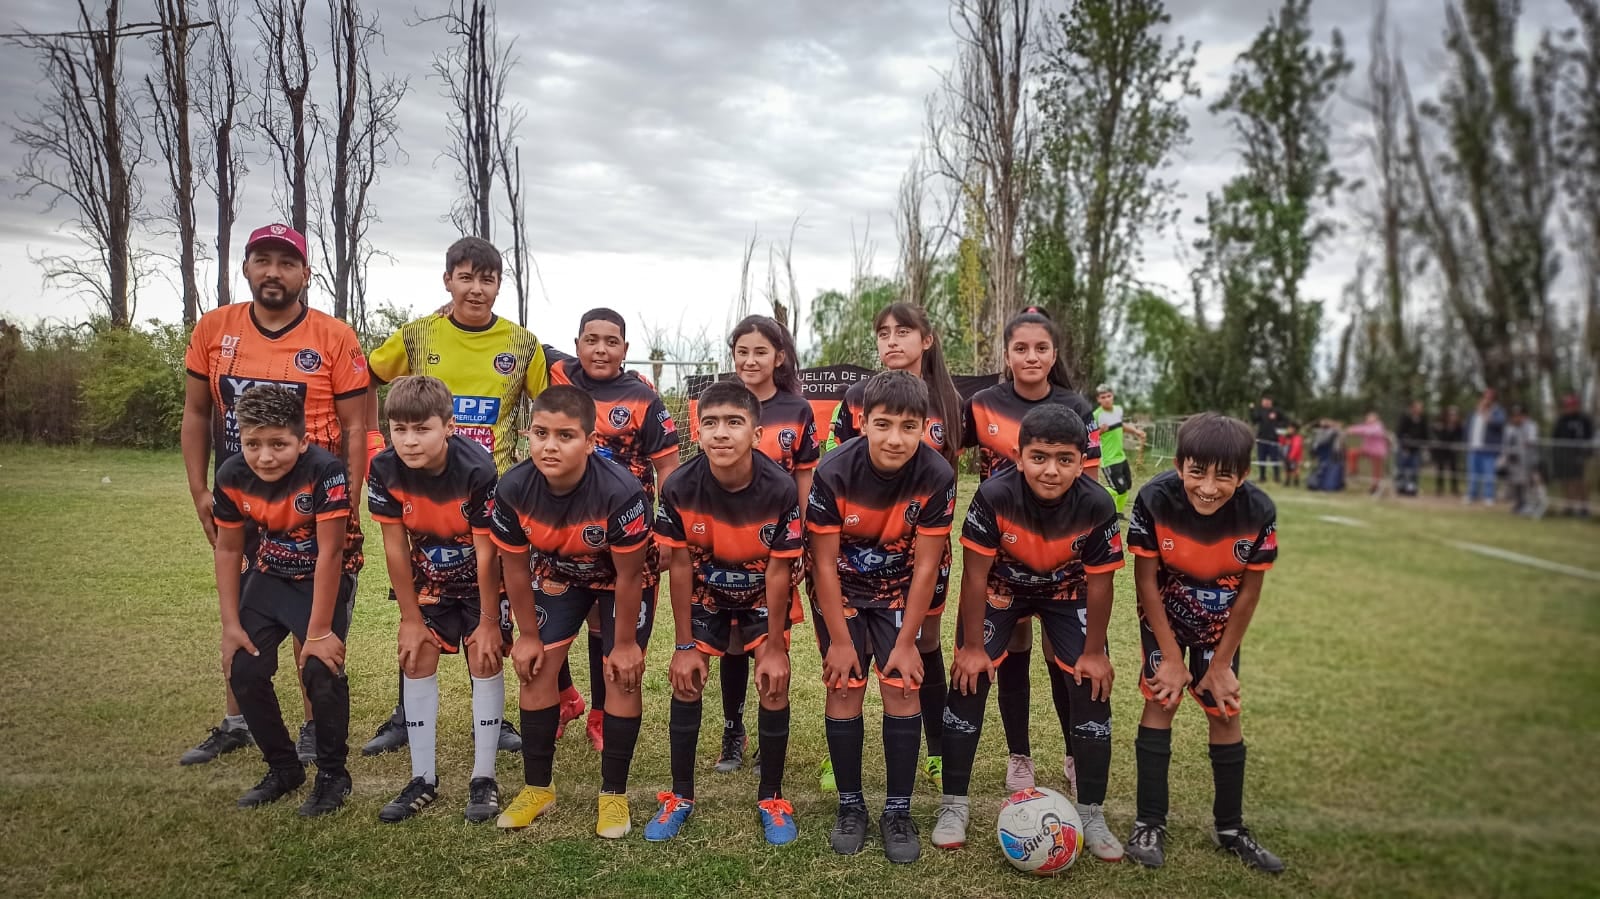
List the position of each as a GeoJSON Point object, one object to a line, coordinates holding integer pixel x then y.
{"type": "Point", "coordinates": [280, 241]}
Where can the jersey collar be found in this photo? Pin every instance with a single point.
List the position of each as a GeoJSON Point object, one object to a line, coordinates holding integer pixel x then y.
{"type": "Point", "coordinates": [274, 335]}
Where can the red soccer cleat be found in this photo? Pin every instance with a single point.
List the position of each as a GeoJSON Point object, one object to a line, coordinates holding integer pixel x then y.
{"type": "Point", "coordinates": [571, 709]}
{"type": "Point", "coordinates": [596, 729]}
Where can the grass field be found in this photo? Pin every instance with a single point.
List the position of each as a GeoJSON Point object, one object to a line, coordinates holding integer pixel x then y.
{"type": "Point", "coordinates": [1421, 721]}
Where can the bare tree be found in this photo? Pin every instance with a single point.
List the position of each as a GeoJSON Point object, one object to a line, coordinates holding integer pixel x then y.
{"type": "Point", "coordinates": [285, 116]}
{"type": "Point", "coordinates": [169, 103]}
{"type": "Point", "coordinates": [1578, 154]}
{"type": "Point", "coordinates": [475, 71]}
{"type": "Point", "coordinates": [364, 140]}
{"type": "Point", "coordinates": [224, 95]}
{"type": "Point", "coordinates": [520, 259]}
{"type": "Point", "coordinates": [83, 145]}
{"type": "Point", "coordinates": [984, 137]}
{"type": "Point", "coordinates": [921, 244]}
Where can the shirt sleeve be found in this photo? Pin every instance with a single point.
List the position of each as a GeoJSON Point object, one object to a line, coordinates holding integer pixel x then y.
{"type": "Point", "coordinates": [1265, 550]}
{"type": "Point", "coordinates": [505, 522]}
{"type": "Point", "coordinates": [844, 423]}
{"type": "Point", "coordinates": [628, 528]}
{"type": "Point", "coordinates": [195, 358]}
{"type": "Point", "coordinates": [538, 376]}
{"type": "Point", "coordinates": [480, 498]}
{"type": "Point", "coordinates": [1142, 529]}
{"type": "Point", "coordinates": [807, 451]}
{"type": "Point", "coordinates": [669, 524]}
{"type": "Point", "coordinates": [383, 506]}
{"type": "Point", "coordinates": [350, 375]}
{"type": "Point", "coordinates": [659, 435]}
{"type": "Point", "coordinates": [787, 541]}
{"type": "Point", "coordinates": [224, 511]}
{"type": "Point", "coordinates": [332, 496]}
{"type": "Point", "coordinates": [822, 516]}
{"type": "Point", "coordinates": [389, 360]}
{"type": "Point", "coordinates": [1102, 548]}
{"type": "Point", "coordinates": [939, 512]}
{"type": "Point", "coordinates": [980, 532]}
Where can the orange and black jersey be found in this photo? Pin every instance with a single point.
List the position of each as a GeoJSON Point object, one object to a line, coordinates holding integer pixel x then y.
{"type": "Point", "coordinates": [285, 512]}
{"type": "Point", "coordinates": [878, 519]}
{"type": "Point", "coordinates": [1203, 557]}
{"type": "Point", "coordinates": [992, 420]}
{"type": "Point", "coordinates": [789, 431]}
{"type": "Point", "coordinates": [1042, 550]}
{"type": "Point", "coordinates": [440, 513]}
{"type": "Point", "coordinates": [849, 417]}
{"type": "Point", "coordinates": [730, 535]}
{"type": "Point", "coordinates": [571, 536]}
{"type": "Point", "coordinates": [317, 356]}
{"type": "Point", "coordinates": [632, 427]}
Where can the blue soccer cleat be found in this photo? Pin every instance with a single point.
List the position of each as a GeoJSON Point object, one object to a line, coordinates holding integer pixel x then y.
{"type": "Point", "coordinates": [668, 819]}
{"type": "Point", "coordinates": [777, 821]}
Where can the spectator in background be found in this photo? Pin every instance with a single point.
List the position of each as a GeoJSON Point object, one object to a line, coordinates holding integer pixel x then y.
{"type": "Point", "coordinates": [1519, 459]}
{"type": "Point", "coordinates": [1412, 431]}
{"type": "Point", "coordinates": [1294, 453]}
{"type": "Point", "coordinates": [1267, 420]}
{"type": "Point", "coordinates": [1373, 446]}
{"type": "Point", "coordinates": [1574, 444]}
{"type": "Point", "coordinates": [1448, 434]}
{"type": "Point", "coordinates": [1485, 433]}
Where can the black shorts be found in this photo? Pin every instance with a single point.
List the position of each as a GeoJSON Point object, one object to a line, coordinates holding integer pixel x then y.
{"type": "Point", "coordinates": [1064, 623]}
{"type": "Point", "coordinates": [716, 630]}
{"type": "Point", "coordinates": [1119, 477]}
{"type": "Point", "coordinates": [452, 620]}
{"type": "Point", "coordinates": [271, 608]}
{"type": "Point", "coordinates": [562, 614]}
{"type": "Point", "coordinates": [874, 632]}
{"type": "Point", "coordinates": [1199, 658]}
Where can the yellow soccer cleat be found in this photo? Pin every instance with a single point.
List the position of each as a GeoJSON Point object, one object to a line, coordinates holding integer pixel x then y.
{"type": "Point", "coordinates": [613, 823]}
{"type": "Point", "coordinates": [529, 804]}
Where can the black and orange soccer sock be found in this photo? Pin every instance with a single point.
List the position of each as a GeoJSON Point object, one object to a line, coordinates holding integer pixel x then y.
{"type": "Point", "coordinates": [1013, 695]}
{"type": "Point", "coordinates": [1061, 690]}
{"type": "Point", "coordinates": [621, 736]}
{"type": "Point", "coordinates": [772, 728]}
{"type": "Point", "coordinates": [597, 672]}
{"type": "Point", "coordinates": [1227, 775]}
{"type": "Point", "coordinates": [934, 690]}
{"type": "Point", "coordinates": [1152, 752]}
{"type": "Point", "coordinates": [845, 736]}
{"type": "Point", "coordinates": [900, 738]}
{"type": "Point", "coordinates": [961, 738]}
{"type": "Point", "coordinates": [683, 734]}
{"type": "Point", "coordinates": [735, 685]}
{"type": "Point", "coordinates": [539, 745]}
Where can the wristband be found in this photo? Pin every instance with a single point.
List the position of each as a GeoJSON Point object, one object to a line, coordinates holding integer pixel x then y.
{"type": "Point", "coordinates": [687, 647]}
{"type": "Point", "coordinates": [315, 639]}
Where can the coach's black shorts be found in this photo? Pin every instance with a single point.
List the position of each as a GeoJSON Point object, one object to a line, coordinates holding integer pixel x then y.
{"type": "Point", "coordinates": [271, 608]}
{"type": "Point", "coordinates": [1119, 477]}
{"type": "Point", "coordinates": [563, 608]}
{"type": "Point", "coordinates": [873, 632]}
{"type": "Point", "coordinates": [1065, 625]}
{"type": "Point", "coordinates": [716, 631]}
{"type": "Point", "coordinates": [1199, 658]}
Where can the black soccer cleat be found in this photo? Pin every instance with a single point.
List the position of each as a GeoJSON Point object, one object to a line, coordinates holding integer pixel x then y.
{"type": "Point", "coordinates": [734, 744]}
{"type": "Point", "coordinates": [278, 783]}
{"type": "Point", "coordinates": [328, 793]}
{"type": "Point", "coordinates": [849, 832]}
{"type": "Point", "coordinates": [1147, 845]}
{"type": "Point", "coordinates": [306, 746]}
{"type": "Point", "coordinates": [510, 740]}
{"type": "Point", "coordinates": [483, 800]}
{"type": "Point", "coordinates": [901, 844]}
{"type": "Point", "coordinates": [417, 795]}
{"type": "Point", "coordinates": [1240, 843]}
{"type": "Point", "coordinates": [391, 737]}
{"type": "Point", "coordinates": [220, 741]}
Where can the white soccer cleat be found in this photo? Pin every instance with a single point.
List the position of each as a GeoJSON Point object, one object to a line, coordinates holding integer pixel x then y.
{"type": "Point", "coordinates": [1097, 836]}
{"type": "Point", "coordinates": [950, 822]}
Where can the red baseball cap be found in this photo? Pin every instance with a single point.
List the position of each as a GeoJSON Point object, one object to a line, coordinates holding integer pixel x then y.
{"type": "Point", "coordinates": [280, 234]}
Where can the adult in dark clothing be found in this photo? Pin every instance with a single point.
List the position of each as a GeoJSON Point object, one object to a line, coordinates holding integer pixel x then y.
{"type": "Point", "coordinates": [1412, 430]}
{"type": "Point", "coordinates": [1449, 432]}
{"type": "Point", "coordinates": [1572, 445]}
{"type": "Point", "coordinates": [1268, 420]}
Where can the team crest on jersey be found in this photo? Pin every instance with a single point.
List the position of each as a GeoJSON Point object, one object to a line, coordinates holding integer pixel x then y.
{"type": "Point", "coordinates": [913, 509]}
{"type": "Point", "coordinates": [308, 360]}
{"type": "Point", "coordinates": [769, 532]}
{"type": "Point", "coordinates": [594, 535]}
{"type": "Point", "coordinates": [1242, 550]}
{"type": "Point", "coordinates": [466, 508]}
{"type": "Point", "coordinates": [619, 417]}
{"type": "Point", "coordinates": [1077, 544]}
{"type": "Point", "coordinates": [936, 431]}
{"type": "Point", "coordinates": [504, 363]}
{"type": "Point", "coordinates": [302, 503]}
{"type": "Point", "coordinates": [786, 438]}
{"type": "Point", "coordinates": [993, 429]}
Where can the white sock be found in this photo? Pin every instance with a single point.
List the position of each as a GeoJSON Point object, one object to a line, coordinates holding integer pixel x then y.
{"type": "Point", "coordinates": [422, 712]}
{"type": "Point", "coordinates": [488, 704]}
{"type": "Point", "coordinates": [233, 722]}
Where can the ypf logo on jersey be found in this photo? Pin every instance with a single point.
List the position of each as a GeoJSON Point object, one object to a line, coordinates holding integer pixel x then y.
{"type": "Point", "coordinates": [505, 363]}
{"type": "Point", "coordinates": [786, 439]}
{"type": "Point", "coordinates": [619, 417]}
{"type": "Point", "coordinates": [302, 503]}
{"type": "Point", "coordinates": [308, 361]}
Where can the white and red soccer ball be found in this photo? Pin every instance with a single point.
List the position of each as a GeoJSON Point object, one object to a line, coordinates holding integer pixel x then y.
{"type": "Point", "coordinates": [1039, 831]}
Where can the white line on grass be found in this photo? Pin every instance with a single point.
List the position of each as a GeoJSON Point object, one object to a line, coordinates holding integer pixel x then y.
{"type": "Point", "coordinates": [1506, 555]}
{"type": "Point", "coordinates": [1340, 519]}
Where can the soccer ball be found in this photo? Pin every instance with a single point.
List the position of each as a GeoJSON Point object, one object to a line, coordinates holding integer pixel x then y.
{"type": "Point", "coordinates": [1040, 831]}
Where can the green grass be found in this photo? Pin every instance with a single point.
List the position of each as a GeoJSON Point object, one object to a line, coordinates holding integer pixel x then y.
{"type": "Point", "coordinates": [1421, 721]}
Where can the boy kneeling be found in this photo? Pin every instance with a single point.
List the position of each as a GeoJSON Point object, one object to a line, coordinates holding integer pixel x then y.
{"type": "Point", "coordinates": [430, 491]}
{"type": "Point", "coordinates": [303, 583]}
{"type": "Point", "coordinates": [1041, 541]}
{"type": "Point", "coordinates": [730, 519]}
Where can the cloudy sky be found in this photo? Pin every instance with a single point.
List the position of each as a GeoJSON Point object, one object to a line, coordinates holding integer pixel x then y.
{"type": "Point", "coordinates": [661, 135]}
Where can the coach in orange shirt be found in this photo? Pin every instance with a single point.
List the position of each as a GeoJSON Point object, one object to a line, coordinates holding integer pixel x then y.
{"type": "Point", "coordinates": [274, 339]}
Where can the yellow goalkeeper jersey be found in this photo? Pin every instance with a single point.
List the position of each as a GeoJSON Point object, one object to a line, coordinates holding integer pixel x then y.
{"type": "Point", "coordinates": [490, 370]}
